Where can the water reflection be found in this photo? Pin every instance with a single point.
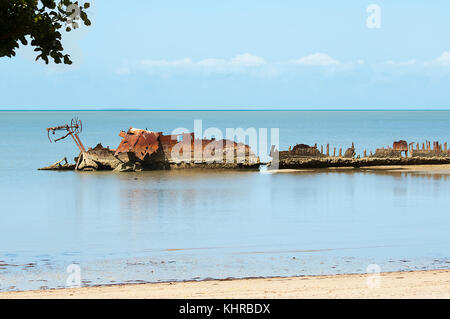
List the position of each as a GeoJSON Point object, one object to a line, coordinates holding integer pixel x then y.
{"type": "Point", "coordinates": [244, 223]}
{"type": "Point", "coordinates": [261, 199]}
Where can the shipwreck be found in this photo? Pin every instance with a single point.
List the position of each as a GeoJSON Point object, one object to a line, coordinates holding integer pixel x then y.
{"type": "Point", "coordinates": [303, 156]}
{"type": "Point", "coordinates": [141, 150]}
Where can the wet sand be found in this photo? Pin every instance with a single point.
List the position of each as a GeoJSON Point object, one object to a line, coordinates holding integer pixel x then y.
{"type": "Point", "coordinates": [444, 168]}
{"type": "Point", "coordinates": [415, 284]}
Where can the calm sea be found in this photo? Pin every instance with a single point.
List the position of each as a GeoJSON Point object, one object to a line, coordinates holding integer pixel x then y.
{"type": "Point", "coordinates": [181, 225]}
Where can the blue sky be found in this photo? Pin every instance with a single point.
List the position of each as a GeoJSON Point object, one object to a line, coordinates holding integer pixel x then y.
{"type": "Point", "coordinates": [249, 54]}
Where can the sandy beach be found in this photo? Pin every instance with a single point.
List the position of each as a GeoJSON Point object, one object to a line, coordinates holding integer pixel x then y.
{"type": "Point", "coordinates": [416, 284]}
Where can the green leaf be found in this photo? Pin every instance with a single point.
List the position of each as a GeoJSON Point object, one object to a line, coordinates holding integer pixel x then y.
{"type": "Point", "coordinates": [67, 60]}
{"type": "Point", "coordinates": [43, 22]}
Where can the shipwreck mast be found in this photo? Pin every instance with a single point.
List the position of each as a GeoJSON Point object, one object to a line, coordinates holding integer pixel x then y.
{"type": "Point", "coordinates": [75, 128]}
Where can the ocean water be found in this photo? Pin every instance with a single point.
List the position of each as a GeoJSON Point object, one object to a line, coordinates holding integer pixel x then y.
{"type": "Point", "coordinates": [198, 224]}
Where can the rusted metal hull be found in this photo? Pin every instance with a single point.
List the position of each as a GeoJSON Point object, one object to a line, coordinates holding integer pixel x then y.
{"type": "Point", "coordinates": [156, 150]}
{"type": "Point", "coordinates": [147, 150]}
{"type": "Point", "coordinates": [141, 143]}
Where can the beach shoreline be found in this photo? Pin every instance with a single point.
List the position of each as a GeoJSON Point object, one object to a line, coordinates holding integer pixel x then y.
{"type": "Point", "coordinates": [411, 284]}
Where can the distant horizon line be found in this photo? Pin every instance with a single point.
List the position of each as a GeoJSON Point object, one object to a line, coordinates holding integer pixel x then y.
{"type": "Point", "coordinates": [215, 110]}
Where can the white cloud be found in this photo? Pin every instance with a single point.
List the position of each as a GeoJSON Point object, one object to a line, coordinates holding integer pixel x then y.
{"type": "Point", "coordinates": [318, 59]}
{"type": "Point", "coordinates": [443, 60]}
{"type": "Point", "coordinates": [242, 60]}
{"type": "Point", "coordinates": [239, 63]}
{"type": "Point", "coordinates": [257, 65]}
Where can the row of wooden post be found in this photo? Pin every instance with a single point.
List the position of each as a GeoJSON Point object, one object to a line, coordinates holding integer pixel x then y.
{"type": "Point", "coordinates": [425, 147]}
{"type": "Point", "coordinates": [328, 150]}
